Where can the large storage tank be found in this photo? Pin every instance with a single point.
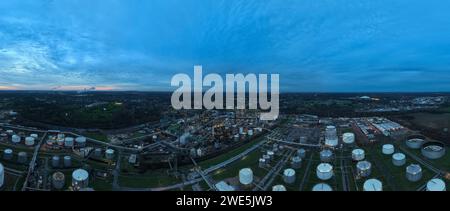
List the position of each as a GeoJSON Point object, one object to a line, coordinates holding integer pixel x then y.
{"type": "Point", "coordinates": [55, 161]}
{"type": "Point", "coordinates": [80, 179]}
{"type": "Point", "coordinates": [109, 154]}
{"type": "Point", "coordinates": [364, 168]}
{"type": "Point", "coordinates": [29, 141]}
{"type": "Point", "coordinates": [373, 185]}
{"type": "Point", "coordinates": [436, 185]}
{"type": "Point", "coordinates": [289, 176]}
{"type": "Point", "coordinates": [415, 143]}
{"type": "Point", "coordinates": [301, 153]}
{"type": "Point", "coordinates": [8, 154]}
{"type": "Point", "coordinates": [80, 141]}
{"type": "Point", "coordinates": [67, 161]}
{"type": "Point", "coordinates": [22, 157]}
{"type": "Point", "coordinates": [388, 149]}
{"type": "Point", "coordinates": [34, 135]}
{"type": "Point", "coordinates": [358, 155]}
{"type": "Point", "coordinates": [68, 142]}
{"type": "Point", "coordinates": [413, 172]}
{"type": "Point", "coordinates": [58, 180]}
{"type": "Point", "coordinates": [433, 150]}
{"type": "Point", "coordinates": [15, 139]}
{"type": "Point", "coordinates": [322, 187]}
{"type": "Point", "coordinates": [246, 176]}
{"type": "Point", "coordinates": [324, 171]}
{"type": "Point", "coordinates": [2, 175]}
{"type": "Point", "coordinates": [278, 188]}
{"type": "Point", "coordinates": [296, 162]}
{"type": "Point", "coordinates": [331, 139]}
{"type": "Point", "coordinates": [348, 138]}
{"type": "Point", "coordinates": [326, 155]}
{"type": "Point", "coordinates": [398, 159]}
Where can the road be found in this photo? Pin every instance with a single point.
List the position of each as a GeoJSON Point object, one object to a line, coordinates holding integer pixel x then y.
{"type": "Point", "coordinates": [33, 161]}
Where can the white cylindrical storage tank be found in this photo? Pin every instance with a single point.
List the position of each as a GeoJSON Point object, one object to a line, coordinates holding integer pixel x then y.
{"type": "Point", "coordinates": [98, 152]}
{"type": "Point", "coordinates": [15, 139]}
{"type": "Point", "coordinates": [67, 161]}
{"type": "Point", "coordinates": [80, 179]}
{"type": "Point", "coordinates": [348, 138]}
{"type": "Point", "coordinates": [68, 142]}
{"type": "Point", "coordinates": [322, 187]}
{"type": "Point", "coordinates": [2, 175]}
{"type": "Point", "coordinates": [109, 154]}
{"type": "Point", "coordinates": [199, 152]}
{"type": "Point", "coordinates": [250, 132]}
{"type": "Point", "coordinates": [398, 159]}
{"type": "Point", "coordinates": [246, 176]}
{"type": "Point", "coordinates": [358, 155]}
{"type": "Point", "coordinates": [415, 143]}
{"type": "Point", "coordinates": [60, 142]}
{"type": "Point", "coordinates": [326, 155]}
{"type": "Point", "coordinates": [436, 185]}
{"type": "Point", "coordinates": [388, 149]}
{"type": "Point", "coordinates": [29, 141]}
{"type": "Point", "coordinates": [22, 157]}
{"type": "Point", "coordinates": [58, 180]}
{"type": "Point", "coordinates": [324, 171]}
{"type": "Point", "coordinates": [296, 162]}
{"type": "Point", "coordinates": [262, 163]}
{"type": "Point", "coordinates": [373, 185]}
{"type": "Point", "coordinates": [364, 168]}
{"type": "Point", "coordinates": [8, 154]}
{"type": "Point", "coordinates": [80, 141]}
{"type": "Point", "coordinates": [301, 153]}
{"type": "Point", "coordinates": [60, 136]}
{"type": "Point", "coordinates": [289, 176]}
{"type": "Point", "coordinates": [278, 188]}
{"type": "Point", "coordinates": [414, 173]}
{"type": "Point", "coordinates": [35, 136]}
{"type": "Point", "coordinates": [55, 161]}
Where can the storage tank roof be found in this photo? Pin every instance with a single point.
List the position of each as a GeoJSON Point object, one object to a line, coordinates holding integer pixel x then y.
{"type": "Point", "coordinates": [373, 185]}
{"type": "Point", "coordinates": [289, 172]}
{"type": "Point", "coordinates": [364, 165]}
{"type": "Point", "coordinates": [398, 156]}
{"type": "Point", "coordinates": [436, 185]}
{"type": "Point", "coordinates": [413, 169]}
{"type": "Point", "coordinates": [80, 174]}
{"type": "Point", "coordinates": [322, 187]}
{"type": "Point", "coordinates": [358, 151]}
{"type": "Point", "coordinates": [324, 167]}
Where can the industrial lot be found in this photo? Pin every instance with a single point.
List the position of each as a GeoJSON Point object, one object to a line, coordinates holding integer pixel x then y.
{"type": "Point", "coordinates": [226, 151]}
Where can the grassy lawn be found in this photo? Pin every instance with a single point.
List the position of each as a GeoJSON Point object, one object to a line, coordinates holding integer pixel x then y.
{"type": "Point", "coordinates": [97, 136]}
{"type": "Point", "coordinates": [249, 161]}
{"type": "Point", "coordinates": [150, 179]}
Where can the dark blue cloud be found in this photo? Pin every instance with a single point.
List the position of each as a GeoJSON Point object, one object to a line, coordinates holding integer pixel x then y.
{"type": "Point", "coordinates": [316, 45]}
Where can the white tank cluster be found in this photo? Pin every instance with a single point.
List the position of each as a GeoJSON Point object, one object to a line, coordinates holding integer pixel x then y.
{"type": "Point", "coordinates": [324, 171]}
{"type": "Point", "coordinates": [348, 138]}
{"type": "Point", "coordinates": [278, 188]}
{"type": "Point", "coordinates": [326, 155]}
{"type": "Point", "coordinates": [398, 159]}
{"type": "Point", "coordinates": [296, 162]}
{"type": "Point", "coordinates": [80, 179]}
{"type": "Point", "coordinates": [358, 155]}
{"type": "Point", "coordinates": [289, 176]}
{"type": "Point", "coordinates": [29, 141]}
{"type": "Point", "coordinates": [8, 154]}
{"type": "Point", "coordinates": [246, 176]}
{"type": "Point", "coordinates": [2, 175]}
{"type": "Point", "coordinates": [364, 168]}
{"type": "Point", "coordinates": [436, 185]}
{"type": "Point", "coordinates": [388, 149]}
{"type": "Point", "coordinates": [15, 139]}
{"type": "Point", "coordinates": [109, 154]}
{"type": "Point", "coordinates": [58, 180]}
{"type": "Point", "coordinates": [331, 138]}
{"type": "Point", "coordinates": [373, 185]}
{"type": "Point", "coordinates": [322, 187]}
{"type": "Point", "coordinates": [414, 173]}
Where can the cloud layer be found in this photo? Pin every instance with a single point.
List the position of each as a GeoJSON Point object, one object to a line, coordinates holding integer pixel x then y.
{"type": "Point", "coordinates": [315, 45]}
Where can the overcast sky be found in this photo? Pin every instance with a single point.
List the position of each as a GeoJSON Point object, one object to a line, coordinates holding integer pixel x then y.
{"type": "Point", "coordinates": [315, 45]}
